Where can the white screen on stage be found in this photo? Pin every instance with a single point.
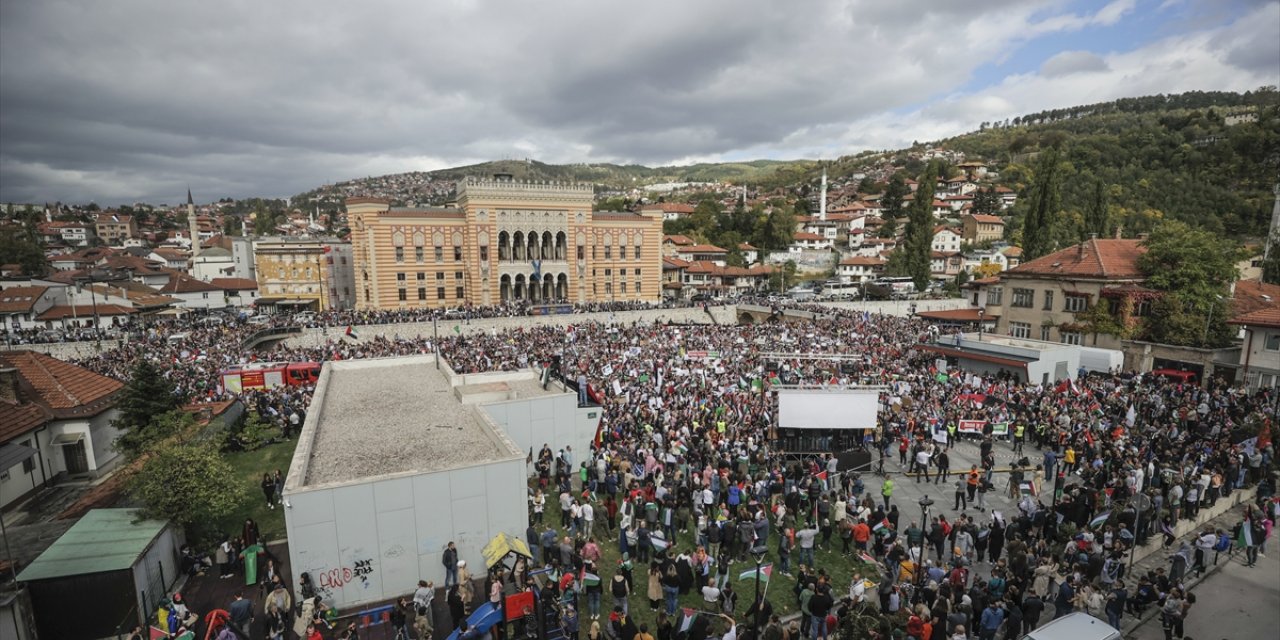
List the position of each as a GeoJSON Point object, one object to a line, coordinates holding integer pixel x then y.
{"type": "Point", "coordinates": [828, 409]}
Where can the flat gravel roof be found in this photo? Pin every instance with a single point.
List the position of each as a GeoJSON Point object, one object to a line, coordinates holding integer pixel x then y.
{"type": "Point", "coordinates": [394, 415]}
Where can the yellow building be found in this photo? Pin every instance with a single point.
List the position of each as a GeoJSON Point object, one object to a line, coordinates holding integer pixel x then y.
{"type": "Point", "coordinates": [505, 241]}
{"type": "Point", "coordinates": [303, 273]}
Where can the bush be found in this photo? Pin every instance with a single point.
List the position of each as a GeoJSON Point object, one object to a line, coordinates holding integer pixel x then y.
{"type": "Point", "coordinates": [252, 434]}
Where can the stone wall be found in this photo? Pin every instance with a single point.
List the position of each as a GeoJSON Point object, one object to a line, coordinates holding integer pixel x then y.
{"type": "Point", "coordinates": [690, 315]}
{"type": "Point", "coordinates": [70, 350]}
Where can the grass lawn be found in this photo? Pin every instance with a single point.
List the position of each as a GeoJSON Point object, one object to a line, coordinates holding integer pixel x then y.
{"type": "Point", "coordinates": [249, 467]}
{"type": "Point", "coordinates": [780, 592]}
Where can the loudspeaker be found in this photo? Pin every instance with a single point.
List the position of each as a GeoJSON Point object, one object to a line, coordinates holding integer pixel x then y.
{"type": "Point", "coordinates": [852, 461]}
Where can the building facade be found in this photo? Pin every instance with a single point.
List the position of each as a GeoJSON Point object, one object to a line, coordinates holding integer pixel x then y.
{"type": "Point", "coordinates": [506, 241]}
{"type": "Point", "coordinates": [306, 273]}
{"type": "Point", "coordinates": [1042, 299]}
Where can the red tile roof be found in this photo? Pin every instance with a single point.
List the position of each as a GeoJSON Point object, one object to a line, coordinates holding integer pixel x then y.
{"type": "Point", "coordinates": [1254, 295]}
{"type": "Point", "coordinates": [181, 283]}
{"type": "Point", "coordinates": [57, 389]}
{"type": "Point", "coordinates": [805, 235]}
{"type": "Point", "coordinates": [58, 312]}
{"type": "Point", "coordinates": [953, 315]}
{"type": "Point", "coordinates": [234, 284]}
{"type": "Point", "coordinates": [986, 219]}
{"type": "Point", "coordinates": [20, 299]}
{"type": "Point", "coordinates": [678, 240]}
{"type": "Point", "coordinates": [1108, 259]}
{"type": "Point", "coordinates": [701, 248]}
{"type": "Point", "coordinates": [1268, 317]}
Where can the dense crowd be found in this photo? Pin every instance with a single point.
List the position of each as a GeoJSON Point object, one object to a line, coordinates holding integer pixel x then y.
{"type": "Point", "coordinates": [687, 482]}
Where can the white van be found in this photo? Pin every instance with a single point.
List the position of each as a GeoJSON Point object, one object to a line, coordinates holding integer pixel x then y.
{"type": "Point", "coordinates": [1075, 626]}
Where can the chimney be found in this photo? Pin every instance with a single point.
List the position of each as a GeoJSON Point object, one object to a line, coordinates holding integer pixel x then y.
{"type": "Point", "coordinates": [822, 206]}
{"type": "Point", "coordinates": [1080, 248]}
{"type": "Point", "coordinates": [8, 384]}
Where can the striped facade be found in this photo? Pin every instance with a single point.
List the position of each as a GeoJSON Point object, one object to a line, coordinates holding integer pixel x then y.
{"type": "Point", "coordinates": [505, 241]}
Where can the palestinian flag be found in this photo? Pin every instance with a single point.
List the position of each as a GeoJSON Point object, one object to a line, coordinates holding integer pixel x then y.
{"type": "Point", "coordinates": [457, 328]}
{"type": "Point", "coordinates": [351, 333]}
{"type": "Point", "coordinates": [763, 574]}
{"type": "Point", "coordinates": [880, 526]}
{"type": "Point", "coordinates": [687, 616]}
{"type": "Point", "coordinates": [1245, 539]}
{"type": "Point", "coordinates": [590, 580]}
{"type": "Point", "coordinates": [757, 385]}
{"type": "Point", "coordinates": [659, 543]}
{"type": "Point", "coordinates": [868, 558]}
{"type": "Point", "coordinates": [821, 475]}
{"type": "Point", "coordinates": [1099, 519]}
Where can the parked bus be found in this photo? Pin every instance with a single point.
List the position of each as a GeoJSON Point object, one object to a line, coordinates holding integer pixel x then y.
{"type": "Point", "coordinates": [892, 288]}
{"type": "Point", "coordinates": [268, 375]}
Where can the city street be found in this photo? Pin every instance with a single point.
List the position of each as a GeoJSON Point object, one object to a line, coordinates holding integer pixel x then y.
{"type": "Point", "coordinates": [1235, 603]}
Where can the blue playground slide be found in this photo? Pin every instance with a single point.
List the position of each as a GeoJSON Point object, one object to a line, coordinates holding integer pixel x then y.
{"type": "Point", "coordinates": [482, 619]}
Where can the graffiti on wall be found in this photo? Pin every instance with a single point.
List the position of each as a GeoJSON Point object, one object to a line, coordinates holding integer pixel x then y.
{"type": "Point", "coordinates": [339, 577]}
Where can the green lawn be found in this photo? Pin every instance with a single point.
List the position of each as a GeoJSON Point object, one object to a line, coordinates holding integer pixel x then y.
{"type": "Point", "coordinates": [249, 467]}
{"type": "Point", "coordinates": [780, 589]}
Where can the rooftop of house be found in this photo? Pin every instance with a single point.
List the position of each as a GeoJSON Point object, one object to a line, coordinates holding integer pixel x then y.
{"type": "Point", "coordinates": [1107, 259]}
{"type": "Point", "coordinates": [20, 299]}
{"type": "Point", "coordinates": [983, 218]}
{"type": "Point", "coordinates": [182, 283]}
{"type": "Point", "coordinates": [1254, 295]}
{"type": "Point", "coordinates": [51, 388]}
{"type": "Point", "coordinates": [234, 284]}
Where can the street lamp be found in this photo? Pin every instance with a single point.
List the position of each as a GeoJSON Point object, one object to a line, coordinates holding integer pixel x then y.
{"type": "Point", "coordinates": [925, 503]}
{"type": "Point", "coordinates": [981, 312]}
{"type": "Point", "coordinates": [1207, 321]}
{"type": "Point", "coordinates": [758, 553]}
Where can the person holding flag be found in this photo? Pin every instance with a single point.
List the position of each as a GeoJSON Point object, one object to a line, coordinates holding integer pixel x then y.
{"type": "Point", "coordinates": [1248, 533]}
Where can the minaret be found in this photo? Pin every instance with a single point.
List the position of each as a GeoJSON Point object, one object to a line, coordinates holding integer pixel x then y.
{"type": "Point", "coordinates": [1272, 237]}
{"type": "Point", "coordinates": [822, 206]}
{"type": "Point", "coordinates": [192, 225]}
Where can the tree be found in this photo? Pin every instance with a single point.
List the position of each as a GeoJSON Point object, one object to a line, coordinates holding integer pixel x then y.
{"type": "Point", "coordinates": [1193, 269]}
{"type": "Point", "coordinates": [985, 200]}
{"type": "Point", "coordinates": [16, 247]}
{"type": "Point", "coordinates": [706, 217]}
{"type": "Point", "coordinates": [1037, 234]}
{"type": "Point", "coordinates": [146, 396]}
{"type": "Point", "coordinates": [917, 237]}
{"type": "Point", "coordinates": [891, 201]}
{"type": "Point", "coordinates": [1271, 266]}
{"type": "Point", "coordinates": [1095, 214]}
{"type": "Point", "coordinates": [188, 484]}
{"type": "Point", "coordinates": [986, 270]}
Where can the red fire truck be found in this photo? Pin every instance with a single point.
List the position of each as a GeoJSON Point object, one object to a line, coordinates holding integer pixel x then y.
{"type": "Point", "coordinates": [267, 375]}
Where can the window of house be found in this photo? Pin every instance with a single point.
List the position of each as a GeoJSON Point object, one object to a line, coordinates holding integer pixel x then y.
{"type": "Point", "coordinates": [400, 277]}
{"type": "Point", "coordinates": [457, 275]}
{"type": "Point", "coordinates": [461, 293]}
{"type": "Point", "coordinates": [420, 254]}
{"type": "Point", "coordinates": [994, 296]}
{"type": "Point", "coordinates": [484, 253]}
{"type": "Point", "coordinates": [421, 276]}
{"type": "Point", "coordinates": [1020, 329]}
{"type": "Point", "coordinates": [637, 252]}
{"type": "Point", "coordinates": [366, 295]}
{"type": "Point", "coordinates": [1273, 342]}
{"type": "Point", "coordinates": [1048, 301]}
{"type": "Point", "coordinates": [206, 295]}
{"type": "Point", "coordinates": [29, 464]}
{"type": "Point", "coordinates": [457, 254]}
{"type": "Point", "coordinates": [439, 293]}
{"type": "Point", "coordinates": [608, 287]}
{"type": "Point", "coordinates": [622, 288]}
{"type": "Point", "coordinates": [1076, 304]}
{"type": "Point", "coordinates": [593, 252]}
{"type": "Point", "coordinates": [1024, 298]}
{"type": "Point", "coordinates": [1044, 332]}
{"type": "Point", "coordinates": [404, 295]}
{"type": "Point", "coordinates": [608, 273]}
{"type": "Point", "coordinates": [422, 293]}
{"type": "Point", "coordinates": [439, 277]}
{"type": "Point", "coordinates": [637, 287]}
{"type": "Point", "coordinates": [608, 253]}
{"type": "Point", "coordinates": [622, 252]}
{"type": "Point", "coordinates": [1071, 337]}
{"type": "Point", "coordinates": [439, 254]}
{"type": "Point", "coordinates": [581, 252]}
{"type": "Point", "coordinates": [399, 254]}
{"type": "Point", "coordinates": [1142, 309]}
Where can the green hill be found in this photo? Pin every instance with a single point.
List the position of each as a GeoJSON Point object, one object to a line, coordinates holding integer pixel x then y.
{"type": "Point", "coordinates": [1207, 158]}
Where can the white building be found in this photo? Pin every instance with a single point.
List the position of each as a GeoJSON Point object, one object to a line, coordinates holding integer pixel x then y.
{"type": "Point", "coordinates": [213, 262]}
{"type": "Point", "coordinates": [242, 258]}
{"type": "Point", "coordinates": [1260, 350]}
{"type": "Point", "coordinates": [193, 293]}
{"type": "Point", "coordinates": [374, 497]}
{"type": "Point", "coordinates": [946, 240]}
{"type": "Point", "coordinates": [57, 423]}
{"type": "Point", "coordinates": [859, 269]}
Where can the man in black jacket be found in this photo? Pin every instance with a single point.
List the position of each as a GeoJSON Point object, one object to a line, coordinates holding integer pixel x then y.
{"type": "Point", "coordinates": [1032, 607]}
{"type": "Point", "coordinates": [450, 561]}
{"type": "Point", "coordinates": [819, 605]}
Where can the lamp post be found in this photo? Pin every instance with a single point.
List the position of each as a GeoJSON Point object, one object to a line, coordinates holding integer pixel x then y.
{"type": "Point", "coordinates": [981, 312]}
{"type": "Point", "coordinates": [925, 503]}
{"type": "Point", "coordinates": [1208, 321]}
{"type": "Point", "coordinates": [758, 554]}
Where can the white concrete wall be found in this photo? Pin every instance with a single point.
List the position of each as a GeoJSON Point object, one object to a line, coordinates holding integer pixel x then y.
{"type": "Point", "coordinates": [370, 541]}
{"type": "Point", "coordinates": [158, 561]}
{"type": "Point", "coordinates": [552, 420]}
{"type": "Point", "coordinates": [18, 483]}
{"type": "Point", "coordinates": [70, 350]}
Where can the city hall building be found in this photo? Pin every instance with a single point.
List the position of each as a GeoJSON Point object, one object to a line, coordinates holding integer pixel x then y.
{"type": "Point", "coordinates": [504, 241]}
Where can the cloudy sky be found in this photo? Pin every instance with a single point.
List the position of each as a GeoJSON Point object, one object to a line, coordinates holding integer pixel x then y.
{"type": "Point", "coordinates": [134, 100]}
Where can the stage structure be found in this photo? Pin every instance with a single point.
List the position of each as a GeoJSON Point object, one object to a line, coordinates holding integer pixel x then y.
{"type": "Point", "coordinates": [815, 419]}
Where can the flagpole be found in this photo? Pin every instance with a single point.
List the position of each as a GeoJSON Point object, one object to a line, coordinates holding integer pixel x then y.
{"type": "Point", "coordinates": [435, 331]}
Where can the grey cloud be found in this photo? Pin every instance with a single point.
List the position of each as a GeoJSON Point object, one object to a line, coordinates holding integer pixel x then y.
{"type": "Point", "coordinates": [135, 99]}
{"type": "Point", "coordinates": [1069, 62]}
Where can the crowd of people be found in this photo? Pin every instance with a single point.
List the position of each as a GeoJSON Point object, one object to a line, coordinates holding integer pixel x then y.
{"type": "Point", "coordinates": [686, 479]}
